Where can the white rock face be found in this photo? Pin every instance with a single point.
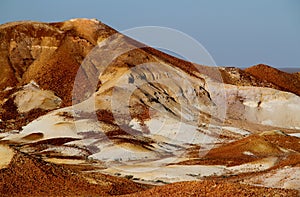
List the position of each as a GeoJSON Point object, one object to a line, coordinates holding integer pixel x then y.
{"type": "Point", "coordinates": [32, 97]}
{"type": "Point", "coordinates": [262, 105]}
{"type": "Point", "coordinates": [167, 90]}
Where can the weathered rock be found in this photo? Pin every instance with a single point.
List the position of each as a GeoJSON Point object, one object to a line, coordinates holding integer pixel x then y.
{"type": "Point", "coordinates": [32, 97]}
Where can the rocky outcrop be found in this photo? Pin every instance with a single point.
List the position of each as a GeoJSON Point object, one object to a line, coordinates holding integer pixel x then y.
{"type": "Point", "coordinates": [263, 106]}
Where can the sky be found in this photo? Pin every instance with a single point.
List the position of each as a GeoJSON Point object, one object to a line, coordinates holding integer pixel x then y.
{"type": "Point", "coordinates": [236, 33]}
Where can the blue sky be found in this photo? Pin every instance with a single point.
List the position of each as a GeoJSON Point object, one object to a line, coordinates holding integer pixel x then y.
{"type": "Point", "coordinates": [235, 32]}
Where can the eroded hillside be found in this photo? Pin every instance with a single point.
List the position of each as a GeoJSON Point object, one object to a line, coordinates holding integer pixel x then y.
{"type": "Point", "coordinates": [85, 110]}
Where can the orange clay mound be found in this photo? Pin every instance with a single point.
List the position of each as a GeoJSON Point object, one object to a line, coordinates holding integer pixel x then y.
{"type": "Point", "coordinates": [286, 81]}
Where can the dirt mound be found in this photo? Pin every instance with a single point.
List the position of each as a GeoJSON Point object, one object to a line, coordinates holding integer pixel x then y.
{"type": "Point", "coordinates": [254, 143]}
{"type": "Point", "coordinates": [286, 81]}
{"type": "Point", "coordinates": [213, 188]}
{"type": "Point", "coordinates": [287, 142]}
{"type": "Point", "coordinates": [246, 150]}
{"type": "Point", "coordinates": [29, 176]}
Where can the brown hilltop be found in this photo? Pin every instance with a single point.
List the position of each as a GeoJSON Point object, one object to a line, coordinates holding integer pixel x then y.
{"type": "Point", "coordinates": [48, 53]}
{"type": "Point", "coordinates": [286, 81]}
